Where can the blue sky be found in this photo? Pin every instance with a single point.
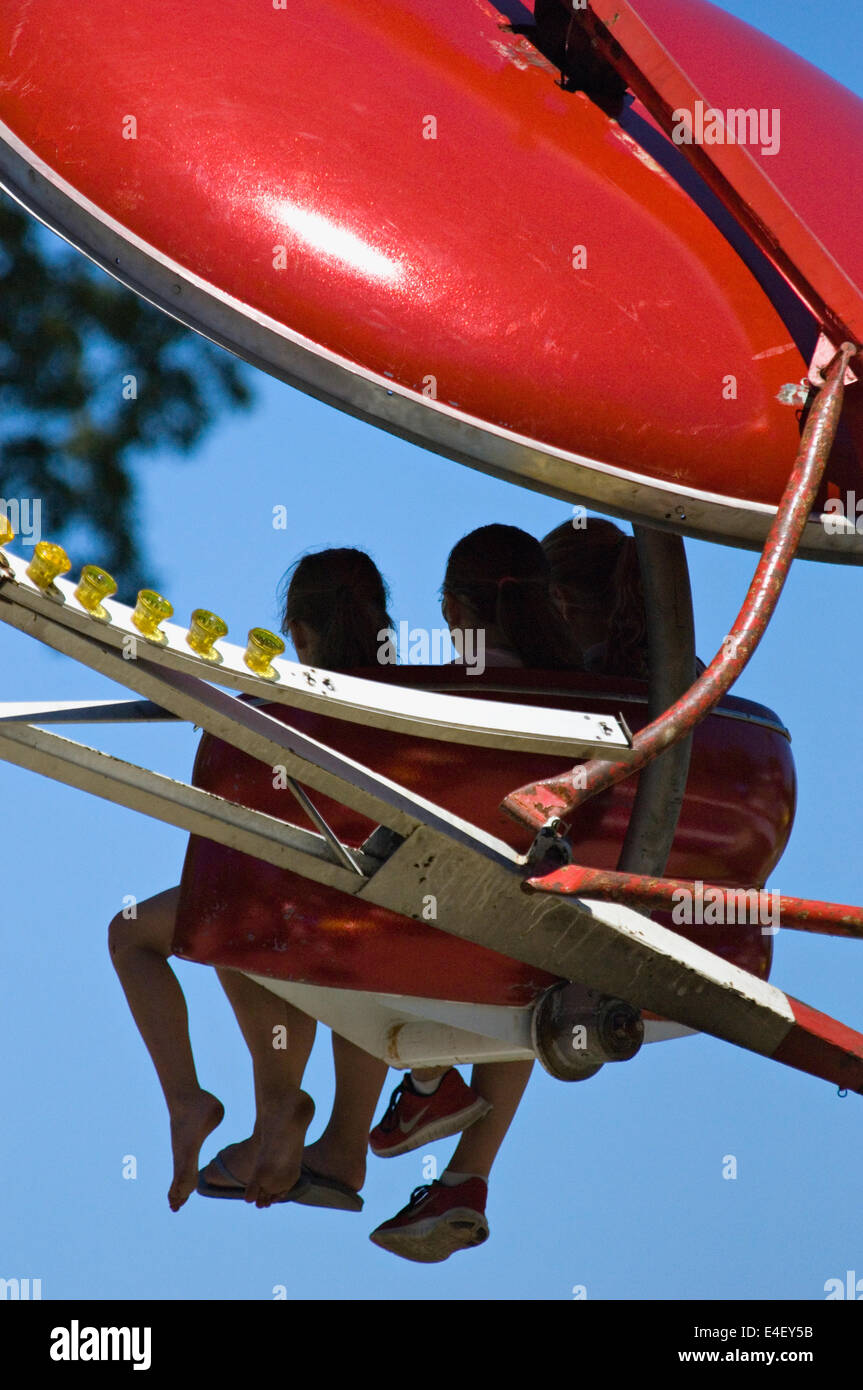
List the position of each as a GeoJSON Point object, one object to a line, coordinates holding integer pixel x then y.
{"type": "Point", "coordinates": [615, 1184]}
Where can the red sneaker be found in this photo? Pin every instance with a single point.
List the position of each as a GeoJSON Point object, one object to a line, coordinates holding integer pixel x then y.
{"type": "Point", "coordinates": [412, 1120]}
{"type": "Point", "coordinates": [436, 1222]}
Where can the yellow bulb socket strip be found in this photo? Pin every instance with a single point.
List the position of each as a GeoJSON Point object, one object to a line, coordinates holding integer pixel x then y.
{"type": "Point", "coordinates": [48, 562]}
{"type": "Point", "coordinates": [150, 611]}
{"type": "Point", "coordinates": [206, 629]}
{"type": "Point", "coordinates": [263, 647]}
{"type": "Point", "coordinates": [94, 585]}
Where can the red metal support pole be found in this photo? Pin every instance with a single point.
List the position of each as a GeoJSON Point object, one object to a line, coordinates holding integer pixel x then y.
{"type": "Point", "coordinates": [648, 894]}
{"type": "Point", "coordinates": [538, 803]}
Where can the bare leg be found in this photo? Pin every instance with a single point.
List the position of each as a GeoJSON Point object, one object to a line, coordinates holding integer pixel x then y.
{"type": "Point", "coordinates": [279, 1038]}
{"type": "Point", "coordinates": [140, 948]}
{"type": "Point", "coordinates": [341, 1150]}
{"type": "Point", "coordinates": [502, 1083]}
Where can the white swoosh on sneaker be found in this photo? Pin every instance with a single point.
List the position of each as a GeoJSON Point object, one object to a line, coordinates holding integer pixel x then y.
{"type": "Point", "coordinates": [408, 1128]}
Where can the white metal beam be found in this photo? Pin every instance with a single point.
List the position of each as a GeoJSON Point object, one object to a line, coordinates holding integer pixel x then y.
{"type": "Point", "coordinates": [82, 712]}
{"type": "Point", "coordinates": [377, 704]}
{"type": "Point", "coordinates": [189, 808]}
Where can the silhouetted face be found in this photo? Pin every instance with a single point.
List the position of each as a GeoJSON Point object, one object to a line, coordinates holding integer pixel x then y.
{"type": "Point", "coordinates": [305, 641]}
{"type": "Point", "coordinates": [458, 616]}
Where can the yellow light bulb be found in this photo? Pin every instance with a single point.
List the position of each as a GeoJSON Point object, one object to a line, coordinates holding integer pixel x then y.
{"type": "Point", "coordinates": [7, 535]}
{"type": "Point", "coordinates": [151, 610]}
{"type": "Point", "coordinates": [94, 585]}
{"type": "Point", "coordinates": [48, 561]}
{"type": "Point", "coordinates": [259, 654]}
{"type": "Point", "coordinates": [206, 628]}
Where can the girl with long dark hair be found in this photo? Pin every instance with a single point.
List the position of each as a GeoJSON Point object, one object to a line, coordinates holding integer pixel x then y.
{"type": "Point", "coordinates": [335, 607]}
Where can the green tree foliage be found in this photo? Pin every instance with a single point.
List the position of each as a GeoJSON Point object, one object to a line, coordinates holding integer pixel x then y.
{"type": "Point", "coordinates": [72, 422]}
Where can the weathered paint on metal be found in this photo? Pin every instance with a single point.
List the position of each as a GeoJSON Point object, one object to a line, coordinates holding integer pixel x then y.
{"type": "Point", "coordinates": [646, 893]}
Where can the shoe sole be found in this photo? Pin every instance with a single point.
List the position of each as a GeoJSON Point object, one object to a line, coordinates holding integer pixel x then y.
{"type": "Point", "coordinates": [429, 1242]}
{"type": "Point", "coordinates": [436, 1129]}
{"type": "Point", "coordinates": [318, 1191]}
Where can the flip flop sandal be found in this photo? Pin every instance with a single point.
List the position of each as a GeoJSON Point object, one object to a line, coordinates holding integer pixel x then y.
{"type": "Point", "coordinates": [321, 1191]}
{"type": "Point", "coordinates": [237, 1190]}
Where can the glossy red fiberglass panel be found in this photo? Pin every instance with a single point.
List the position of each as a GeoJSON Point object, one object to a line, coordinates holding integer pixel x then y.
{"type": "Point", "coordinates": [239, 912]}
{"type": "Point", "coordinates": [396, 207]}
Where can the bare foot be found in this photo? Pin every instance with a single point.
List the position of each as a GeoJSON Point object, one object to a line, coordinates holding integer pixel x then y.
{"type": "Point", "coordinates": [280, 1132]}
{"type": "Point", "coordinates": [332, 1161]}
{"type": "Point", "coordinates": [190, 1124]}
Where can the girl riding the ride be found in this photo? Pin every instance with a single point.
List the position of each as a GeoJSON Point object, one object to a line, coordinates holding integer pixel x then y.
{"type": "Point", "coordinates": [498, 585]}
{"type": "Point", "coordinates": [596, 581]}
{"type": "Point", "coordinates": [335, 615]}
{"type": "Point", "coordinates": [335, 608]}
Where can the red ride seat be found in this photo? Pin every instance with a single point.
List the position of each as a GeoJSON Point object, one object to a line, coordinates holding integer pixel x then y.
{"type": "Point", "coordinates": [240, 912]}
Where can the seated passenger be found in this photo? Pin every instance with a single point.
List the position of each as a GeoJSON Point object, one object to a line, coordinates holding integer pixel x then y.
{"type": "Point", "coordinates": [497, 588]}
{"type": "Point", "coordinates": [596, 581]}
{"type": "Point", "coordinates": [335, 611]}
{"type": "Point", "coordinates": [336, 605]}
